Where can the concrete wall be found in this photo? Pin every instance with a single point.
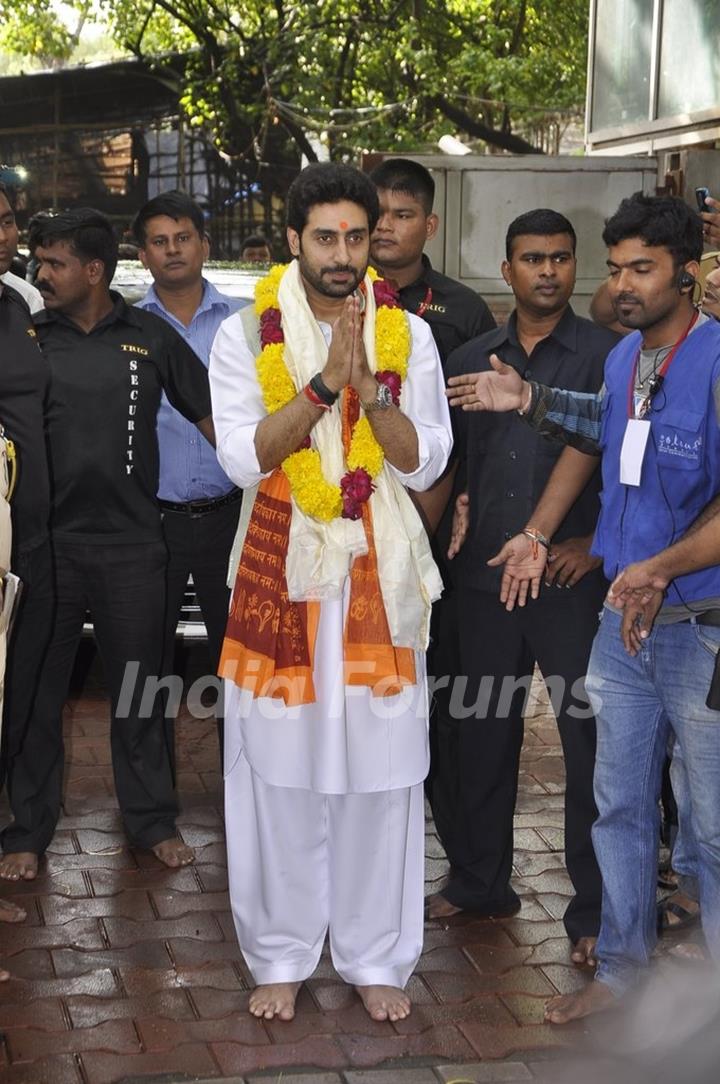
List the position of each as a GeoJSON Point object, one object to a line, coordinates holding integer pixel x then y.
{"type": "Point", "coordinates": [477, 197]}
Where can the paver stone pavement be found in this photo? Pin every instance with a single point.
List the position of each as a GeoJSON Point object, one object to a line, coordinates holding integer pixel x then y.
{"type": "Point", "coordinates": [129, 972]}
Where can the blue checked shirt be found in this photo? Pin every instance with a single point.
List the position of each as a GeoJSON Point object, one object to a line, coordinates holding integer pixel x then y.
{"type": "Point", "coordinates": [189, 470]}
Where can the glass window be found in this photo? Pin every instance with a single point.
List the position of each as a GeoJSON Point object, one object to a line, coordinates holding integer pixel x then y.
{"type": "Point", "coordinates": [689, 57]}
{"type": "Point", "coordinates": [621, 65]}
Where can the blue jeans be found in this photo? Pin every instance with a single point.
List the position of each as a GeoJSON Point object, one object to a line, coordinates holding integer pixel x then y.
{"type": "Point", "coordinates": [684, 851]}
{"type": "Point", "coordinates": [638, 702]}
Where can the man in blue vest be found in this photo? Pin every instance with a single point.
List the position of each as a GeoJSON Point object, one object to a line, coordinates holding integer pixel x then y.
{"type": "Point", "coordinates": [656, 425]}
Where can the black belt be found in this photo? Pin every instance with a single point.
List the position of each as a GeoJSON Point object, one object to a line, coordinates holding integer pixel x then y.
{"type": "Point", "coordinates": [710, 617]}
{"type": "Point", "coordinates": [201, 508]}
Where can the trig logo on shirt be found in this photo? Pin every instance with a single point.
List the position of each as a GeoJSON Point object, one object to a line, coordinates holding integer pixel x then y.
{"type": "Point", "coordinates": [680, 447]}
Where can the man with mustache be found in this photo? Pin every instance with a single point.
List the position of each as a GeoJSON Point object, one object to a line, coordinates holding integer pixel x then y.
{"type": "Point", "coordinates": [656, 423]}
{"type": "Point", "coordinates": [200, 504]}
{"type": "Point", "coordinates": [504, 467]}
{"type": "Point", "coordinates": [326, 401]}
{"type": "Point", "coordinates": [108, 364]}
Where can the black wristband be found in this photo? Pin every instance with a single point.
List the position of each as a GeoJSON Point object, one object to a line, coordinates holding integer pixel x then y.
{"type": "Point", "coordinates": [322, 391]}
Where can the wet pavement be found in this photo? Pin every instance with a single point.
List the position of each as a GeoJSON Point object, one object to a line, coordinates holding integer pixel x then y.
{"type": "Point", "coordinates": [127, 971]}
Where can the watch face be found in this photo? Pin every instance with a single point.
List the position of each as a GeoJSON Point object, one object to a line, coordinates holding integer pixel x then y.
{"type": "Point", "coordinates": [384, 396]}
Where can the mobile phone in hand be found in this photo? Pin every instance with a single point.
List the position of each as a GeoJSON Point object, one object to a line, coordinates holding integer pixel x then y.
{"type": "Point", "coordinates": [701, 195]}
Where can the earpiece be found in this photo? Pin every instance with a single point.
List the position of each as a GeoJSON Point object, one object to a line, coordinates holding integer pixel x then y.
{"type": "Point", "coordinates": [686, 282]}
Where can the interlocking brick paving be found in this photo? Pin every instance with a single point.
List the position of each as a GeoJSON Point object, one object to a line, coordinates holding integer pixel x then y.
{"type": "Point", "coordinates": [127, 971]}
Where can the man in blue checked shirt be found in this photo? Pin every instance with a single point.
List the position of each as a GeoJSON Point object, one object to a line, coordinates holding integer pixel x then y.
{"type": "Point", "coordinates": [200, 504]}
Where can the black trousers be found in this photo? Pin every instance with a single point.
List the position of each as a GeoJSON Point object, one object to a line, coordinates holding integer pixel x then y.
{"type": "Point", "coordinates": [26, 650]}
{"type": "Point", "coordinates": [199, 546]}
{"type": "Point", "coordinates": [123, 586]}
{"type": "Point", "coordinates": [475, 777]}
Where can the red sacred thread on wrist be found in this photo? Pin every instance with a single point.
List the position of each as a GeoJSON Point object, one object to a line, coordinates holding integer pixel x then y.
{"type": "Point", "coordinates": [315, 398]}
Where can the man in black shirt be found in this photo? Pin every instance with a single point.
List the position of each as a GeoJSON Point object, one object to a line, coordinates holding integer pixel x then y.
{"type": "Point", "coordinates": [24, 378]}
{"type": "Point", "coordinates": [407, 222]}
{"type": "Point", "coordinates": [455, 314]}
{"type": "Point", "coordinates": [504, 466]}
{"type": "Point", "coordinates": [109, 365]}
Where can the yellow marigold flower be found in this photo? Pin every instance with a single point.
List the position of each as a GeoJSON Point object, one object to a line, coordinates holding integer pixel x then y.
{"type": "Point", "coordinates": [372, 274]}
{"type": "Point", "coordinates": [364, 449]}
{"type": "Point", "coordinates": [392, 340]}
{"type": "Point", "coordinates": [275, 380]}
{"type": "Point", "coordinates": [312, 493]}
{"type": "Point", "coordinates": [266, 290]}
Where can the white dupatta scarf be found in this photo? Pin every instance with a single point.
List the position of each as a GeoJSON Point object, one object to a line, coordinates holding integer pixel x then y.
{"type": "Point", "coordinates": [320, 554]}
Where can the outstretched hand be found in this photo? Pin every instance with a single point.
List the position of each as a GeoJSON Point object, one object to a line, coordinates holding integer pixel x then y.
{"type": "Point", "coordinates": [499, 389]}
{"type": "Point", "coordinates": [524, 562]}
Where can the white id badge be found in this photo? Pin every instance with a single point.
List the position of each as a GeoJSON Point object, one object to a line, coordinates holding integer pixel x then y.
{"type": "Point", "coordinates": [633, 451]}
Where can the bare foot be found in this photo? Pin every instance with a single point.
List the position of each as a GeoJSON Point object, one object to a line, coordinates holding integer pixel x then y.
{"type": "Point", "coordinates": [10, 913]}
{"type": "Point", "coordinates": [436, 906]}
{"type": "Point", "coordinates": [173, 852]}
{"type": "Point", "coordinates": [596, 997]}
{"type": "Point", "coordinates": [583, 952]}
{"type": "Point", "coordinates": [4, 975]}
{"type": "Point", "coordinates": [385, 1002]}
{"type": "Point", "coordinates": [20, 866]}
{"type": "Point", "coordinates": [274, 999]}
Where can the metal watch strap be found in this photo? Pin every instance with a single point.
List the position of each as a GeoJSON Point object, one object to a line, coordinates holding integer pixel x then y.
{"type": "Point", "coordinates": [383, 399]}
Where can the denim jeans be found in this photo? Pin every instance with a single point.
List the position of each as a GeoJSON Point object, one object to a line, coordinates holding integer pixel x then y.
{"type": "Point", "coordinates": [638, 702]}
{"type": "Point", "coordinates": [684, 852]}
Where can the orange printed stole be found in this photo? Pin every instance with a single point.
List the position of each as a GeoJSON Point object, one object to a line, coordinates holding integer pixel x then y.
{"type": "Point", "coordinates": [371, 658]}
{"type": "Point", "coordinates": [269, 640]}
{"type": "Point", "coordinates": [269, 644]}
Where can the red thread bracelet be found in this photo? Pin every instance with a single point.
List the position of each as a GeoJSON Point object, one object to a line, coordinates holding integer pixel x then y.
{"type": "Point", "coordinates": [315, 398]}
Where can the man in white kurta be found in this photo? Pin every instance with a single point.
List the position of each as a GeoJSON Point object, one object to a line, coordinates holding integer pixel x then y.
{"type": "Point", "coordinates": [324, 802]}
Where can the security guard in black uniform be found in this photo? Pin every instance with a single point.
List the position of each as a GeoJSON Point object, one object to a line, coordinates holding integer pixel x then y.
{"type": "Point", "coordinates": [109, 365]}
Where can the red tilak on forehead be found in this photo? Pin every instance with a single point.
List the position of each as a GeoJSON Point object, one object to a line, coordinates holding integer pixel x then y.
{"type": "Point", "coordinates": [343, 225]}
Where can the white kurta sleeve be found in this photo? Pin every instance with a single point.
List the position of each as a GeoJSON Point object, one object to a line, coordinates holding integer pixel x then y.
{"type": "Point", "coordinates": [427, 408]}
{"type": "Point", "coordinates": [237, 405]}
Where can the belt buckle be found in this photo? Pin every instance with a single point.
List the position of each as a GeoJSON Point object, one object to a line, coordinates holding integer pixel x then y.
{"type": "Point", "coordinates": [198, 508]}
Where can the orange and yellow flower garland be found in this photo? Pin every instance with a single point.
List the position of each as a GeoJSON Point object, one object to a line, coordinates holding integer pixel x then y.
{"type": "Point", "coordinates": [313, 494]}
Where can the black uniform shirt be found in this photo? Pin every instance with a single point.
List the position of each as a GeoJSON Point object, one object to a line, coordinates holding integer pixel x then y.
{"type": "Point", "coordinates": [104, 398]}
{"type": "Point", "coordinates": [24, 380]}
{"type": "Point", "coordinates": [454, 312]}
{"type": "Point", "coordinates": [504, 464]}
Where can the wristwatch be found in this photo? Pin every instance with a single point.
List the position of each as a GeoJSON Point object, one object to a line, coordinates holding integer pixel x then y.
{"type": "Point", "coordinates": [383, 399]}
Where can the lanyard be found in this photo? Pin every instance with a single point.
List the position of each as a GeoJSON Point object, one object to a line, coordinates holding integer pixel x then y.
{"type": "Point", "coordinates": [658, 377]}
{"type": "Point", "coordinates": [425, 303]}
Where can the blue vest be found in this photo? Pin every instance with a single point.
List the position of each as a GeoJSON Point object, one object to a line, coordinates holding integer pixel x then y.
{"type": "Point", "coordinates": [681, 468]}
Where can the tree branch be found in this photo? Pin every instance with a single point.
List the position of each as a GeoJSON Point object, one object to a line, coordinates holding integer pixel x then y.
{"type": "Point", "coordinates": [293, 129]}
{"type": "Point", "coordinates": [474, 127]}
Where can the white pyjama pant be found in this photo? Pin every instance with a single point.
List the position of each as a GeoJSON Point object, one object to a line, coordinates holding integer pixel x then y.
{"type": "Point", "coordinates": [301, 864]}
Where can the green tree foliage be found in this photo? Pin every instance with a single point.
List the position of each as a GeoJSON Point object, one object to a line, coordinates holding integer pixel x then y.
{"type": "Point", "coordinates": [355, 74]}
{"type": "Point", "coordinates": [32, 29]}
